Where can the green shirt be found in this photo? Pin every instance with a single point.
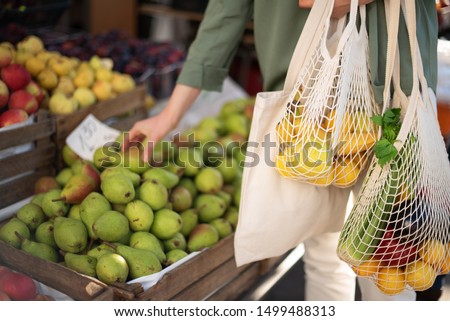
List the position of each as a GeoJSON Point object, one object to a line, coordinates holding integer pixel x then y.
{"type": "Point", "coordinates": [277, 27]}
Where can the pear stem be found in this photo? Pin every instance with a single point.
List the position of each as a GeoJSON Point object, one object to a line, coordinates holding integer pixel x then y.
{"type": "Point", "coordinates": [63, 199]}
{"type": "Point", "coordinates": [21, 238]}
{"type": "Point", "coordinates": [110, 244]}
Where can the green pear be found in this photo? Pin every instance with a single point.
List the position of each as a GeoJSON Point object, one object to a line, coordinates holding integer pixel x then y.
{"type": "Point", "coordinates": [37, 199]}
{"type": "Point", "coordinates": [166, 223]}
{"type": "Point", "coordinates": [174, 168]}
{"type": "Point", "coordinates": [132, 160]}
{"type": "Point", "coordinates": [237, 124]}
{"type": "Point", "coordinates": [112, 268]}
{"type": "Point", "coordinates": [209, 180]}
{"type": "Point", "coordinates": [228, 167]}
{"type": "Point", "coordinates": [92, 207]}
{"type": "Point", "coordinates": [237, 197]}
{"type": "Point", "coordinates": [68, 155]}
{"type": "Point", "coordinates": [147, 241]}
{"type": "Point", "coordinates": [202, 236]}
{"type": "Point", "coordinates": [222, 226]}
{"type": "Point", "coordinates": [135, 178]}
{"type": "Point", "coordinates": [140, 262]}
{"type": "Point", "coordinates": [176, 242]}
{"type": "Point", "coordinates": [118, 189]}
{"type": "Point", "coordinates": [74, 212]}
{"type": "Point", "coordinates": [139, 215]}
{"type": "Point", "coordinates": [212, 152]}
{"type": "Point", "coordinates": [99, 250]}
{"type": "Point", "coordinates": [168, 179]}
{"type": "Point", "coordinates": [154, 194]}
{"type": "Point", "coordinates": [232, 215]}
{"type": "Point", "coordinates": [190, 160]}
{"type": "Point", "coordinates": [174, 256]}
{"type": "Point", "coordinates": [52, 205]}
{"type": "Point", "coordinates": [44, 234]}
{"type": "Point", "coordinates": [228, 198]}
{"type": "Point", "coordinates": [9, 231]}
{"type": "Point", "coordinates": [64, 175]}
{"type": "Point", "coordinates": [120, 207]}
{"type": "Point", "coordinates": [111, 226]}
{"type": "Point", "coordinates": [189, 221]}
{"type": "Point", "coordinates": [81, 263]}
{"type": "Point", "coordinates": [125, 240]}
{"type": "Point", "coordinates": [235, 106]}
{"type": "Point", "coordinates": [213, 123]}
{"type": "Point", "coordinates": [107, 156]}
{"type": "Point", "coordinates": [32, 215]}
{"type": "Point", "coordinates": [77, 188]}
{"type": "Point", "coordinates": [209, 207]}
{"type": "Point", "coordinates": [180, 199]}
{"type": "Point", "coordinates": [70, 234]}
{"type": "Point", "coordinates": [189, 184]}
{"type": "Point", "coordinates": [41, 250]}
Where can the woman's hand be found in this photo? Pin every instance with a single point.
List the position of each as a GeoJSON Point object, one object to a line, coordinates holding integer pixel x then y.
{"type": "Point", "coordinates": [157, 127]}
{"type": "Point", "coordinates": [341, 7]}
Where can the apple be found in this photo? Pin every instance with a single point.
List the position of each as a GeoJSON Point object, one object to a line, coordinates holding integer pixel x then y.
{"type": "Point", "coordinates": [18, 286]}
{"type": "Point", "coordinates": [15, 76]}
{"type": "Point", "coordinates": [22, 99]}
{"type": "Point", "coordinates": [12, 116]}
{"type": "Point", "coordinates": [392, 252]}
{"type": "Point", "coordinates": [31, 44]}
{"type": "Point", "coordinates": [6, 56]}
{"type": "Point", "coordinates": [36, 90]}
{"type": "Point", "coordinates": [4, 94]}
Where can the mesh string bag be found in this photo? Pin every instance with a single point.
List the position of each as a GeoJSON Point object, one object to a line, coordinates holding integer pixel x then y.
{"type": "Point", "coordinates": [398, 232]}
{"type": "Point", "coordinates": [325, 135]}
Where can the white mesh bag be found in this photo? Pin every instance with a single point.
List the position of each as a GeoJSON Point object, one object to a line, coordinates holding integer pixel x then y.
{"type": "Point", "coordinates": [398, 231]}
{"type": "Point", "coordinates": [326, 135]}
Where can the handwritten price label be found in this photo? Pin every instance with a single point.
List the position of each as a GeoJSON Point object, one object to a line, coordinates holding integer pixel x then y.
{"type": "Point", "coordinates": [90, 135]}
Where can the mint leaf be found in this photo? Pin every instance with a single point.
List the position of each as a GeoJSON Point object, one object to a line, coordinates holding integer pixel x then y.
{"type": "Point", "coordinates": [385, 151]}
{"type": "Point", "coordinates": [378, 120]}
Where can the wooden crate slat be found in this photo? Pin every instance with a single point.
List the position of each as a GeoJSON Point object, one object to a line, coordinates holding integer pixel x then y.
{"type": "Point", "coordinates": [44, 127]}
{"type": "Point", "coordinates": [237, 286]}
{"type": "Point", "coordinates": [77, 286]}
{"type": "Point", "coordinates": [175, 281]}
{"type": "Point", "coordinates": [219, 277]}
{"type": "Point", "coordinates": [27, 161]}
{"type": "Point", "coordinates": [22, 187]}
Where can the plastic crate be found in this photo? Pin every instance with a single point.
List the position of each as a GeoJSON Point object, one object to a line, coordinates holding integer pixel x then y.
{"type": "Point", "coordinates": [32, 13]}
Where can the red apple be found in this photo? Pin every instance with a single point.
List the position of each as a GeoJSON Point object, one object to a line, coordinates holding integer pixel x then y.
{"type": "Point", "coordinates": [392, 252]}
{"type": "Point", "coordinates": [4, 296]}
{"type": "Point", "coordinates": [4, 271]}
{"type": "Point", "coordinates": [6, 56]}
{"type": "Point", "coordinates": [18, 286]}
{"type": "Point", "coordinates": [15, 76]}
{"type": "Point", "coordinates": [22, 99]}
{"type": "Point", "coordinates": [4, 94]}
{"type": "Point", "coordinates": [36, 90]}
{"type": "Point", "coordinates": [12, 116]}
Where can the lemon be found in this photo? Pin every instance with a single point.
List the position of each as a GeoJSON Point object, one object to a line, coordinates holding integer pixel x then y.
{"type": "Point", "coordinates": [311, 158]}
{"type": "Point", "coordinates": [346, 173]}
{"type": "Point", "coordinates": [420, 275]}
{"type": "Point", "coordinates": [432, 251]}
{"type": "Point", "coordinates": [283, 166]}
{"type": "Point", "coordinates": [356, 143]}
{"type": "Point", "coordinates": [367, 268]}
{"type": "Point", "coordinates": [391, 280]}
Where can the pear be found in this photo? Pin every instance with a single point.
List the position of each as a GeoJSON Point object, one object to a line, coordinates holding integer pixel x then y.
{"type": "Point", "coordinates": [237, 124]}
{"type": "Point", "coordinates": [53, 206]}
{"type": "Point", "coordinates": [9, 231]}
{"type": "Point", "coordinates": [70, 234]}
{"type": "Point", "coordinates": [135, 178]}
{"type": "Point", "coordinates": [232, 215]}
{"type": "Point", "coordinates": [223, 227]}
{"type": "Point", "coordinates": [112, 268]}
{"type": "Point", "coordinates": [37, 199]}
{"type": "Point", "coordinates": [174, 168]}
{"type": "Point", "coordinates": [202, 236]}
{"type": "Point", "coordinates": [154, 194]}
{"type": "Point", "coordinates": [229, 168]}
{"type": "Point", "coordinates": [77, 188]}
{"type": "Point", "coordinates": [190, 160]}
{"type": "Point", "coordinates": [132, 160]}
{"type": "Point", "coordinates": [176, 242]}
{"type": "Point", "coordinates": [180, 199]}
{"type": "Point", "coordinates": [139, 215]}
{"type": "Point", "coordinates": [119, 207]}
{"type": "Point", "coordinates": [81, 263]}
{"type": "Point", "coordinates": [227, 198]}
{"type": "Point", "coordinates": [213, 123]}
{"type": "Point", "coordinates": [88, 169]}
{"type": "Point", "coordinates": [100, 250]}
{"type": "Point", "coordinates": [189, 221]}
{"type": "Point", "coordinates": [147, 241]}
{"type": "Point", "coordinates": [166, 224]}
{"type": "Point", "coordinates": [74, 212]}
{"type": "Point", "coordinates": [41, 250]}
{"type": "Point", "coordinates": [68, 155]}
{"type": "Point", "coordinates": [189, 185]}
{"type": "Point", "coordinates": [32, 215]}
{"type": "Point", "coordinates": [209, 180]}
{"type": "Point", "coordinates": [168, 179]}
{"type": "Point", "coordinates": [125, 240]}
{"type": "Point", "coordinates": [118, 189]}
{"type": "Point", "coordinates": [140, 262]}
{"type": "Point", "coordinates": [64, 175]}
{"type": "Point", "coordinates": [209, 207]}
{"type": "Point", "coordinates": [107, 156]}
{"type": "Point", "coordinates": [92, 207]}
{"type": "Point", "coordinates": [174, 256]}
{"type": "Point", "coordinates": [237, 196]}
{"type": "Point", "coordinates": [111, 226]}
{"type": "Point", "coordinates": [44, 234]}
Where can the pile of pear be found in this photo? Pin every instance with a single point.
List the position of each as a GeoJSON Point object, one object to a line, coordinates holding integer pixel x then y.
{"type": "Point", "coordinates": [69, 83]}
{"type": "Point", "coordinates": [118, 218]}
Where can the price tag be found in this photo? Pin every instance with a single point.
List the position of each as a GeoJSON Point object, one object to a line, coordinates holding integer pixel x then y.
{"type": "Point", "coordinates": [90, 135]}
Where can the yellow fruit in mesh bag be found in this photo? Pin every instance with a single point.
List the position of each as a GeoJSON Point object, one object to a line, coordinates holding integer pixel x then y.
{"type": "Point", "coordinates": [367, 268]}
{"type": "Point", "coordinates": [444, 267]}
{"type": "Point", "coordinates": [311, 157]}
{"type": "Point", "coordinates": [346, 172]}
{"type": "Point", "coordinates": [432, 251]}
{"type": "Point", "coordinates": [420, 275]}
{"type": "Point", "coordinates": [391, 280]}
{"type": "Point", "coordinates": [282, 164]}
{"type": "Point", "coordinates": [325, 180]}
{"type": "Point", "coordinates": [356, 143]}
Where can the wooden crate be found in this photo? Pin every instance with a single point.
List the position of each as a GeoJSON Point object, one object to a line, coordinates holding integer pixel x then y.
{"type": "Point", "coordinates": [19, 171]}
{"type": "Point", "coordinates": [211, 275]}
{"type": "Point", "coordinates": [121, 113]}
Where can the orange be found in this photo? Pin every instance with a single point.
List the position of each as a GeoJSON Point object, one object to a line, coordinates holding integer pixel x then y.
{"type": "Point", "coordinates": [391, 280]}
{"type": "Point", "coordinates": [420, 275]}
{"type": "Point", "coordinates": [432, 251]}
{"type": "Point", "coordinates": [367, 268]}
